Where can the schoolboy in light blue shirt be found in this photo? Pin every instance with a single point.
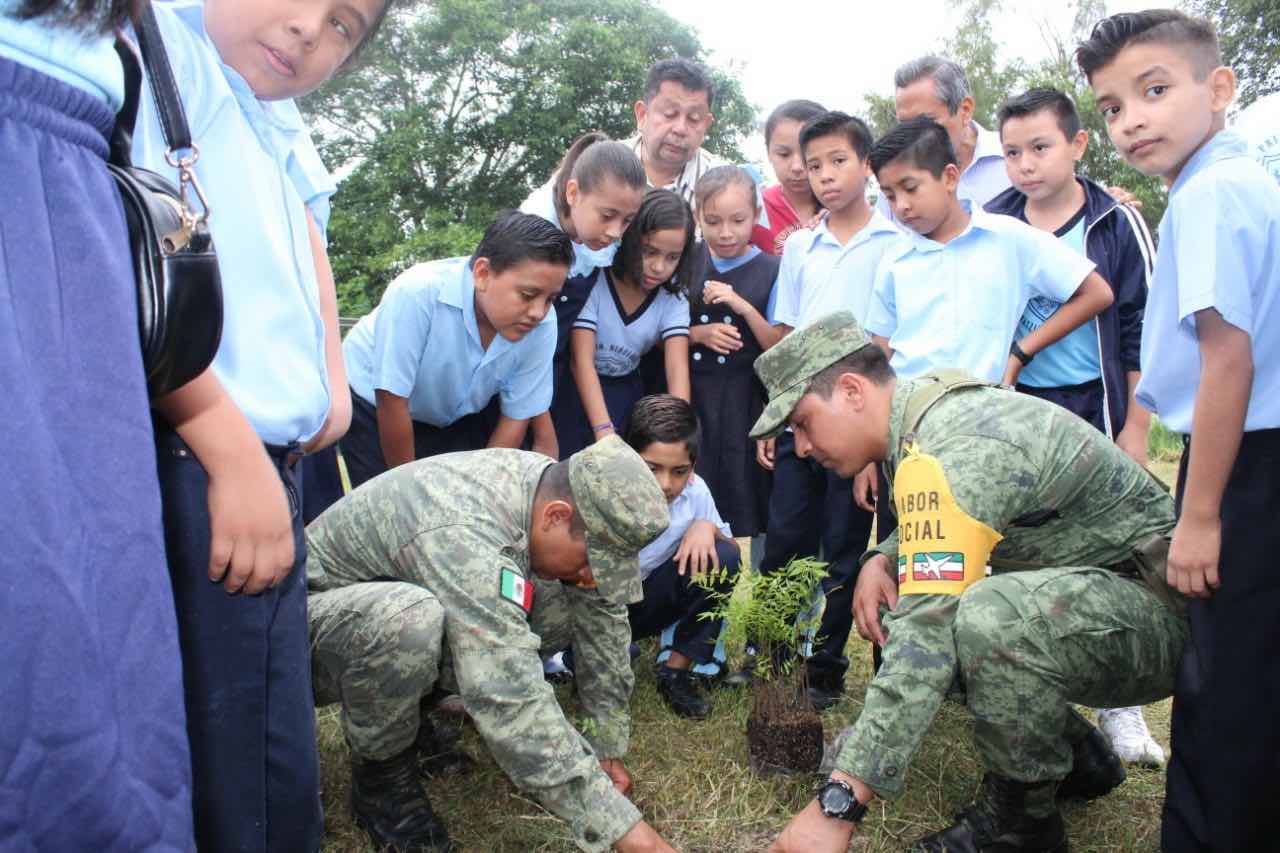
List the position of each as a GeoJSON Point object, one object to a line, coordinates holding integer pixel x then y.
{"type": "Point", "coordinates": [826, 269]}
{"type": "Point", "coordinates": [1210, 368]}
{"type": "Point", "coordinates": [951, 294]}
{"type": "Point", "coordinates": [228, 442]}
{"type": "Point", "coordinates": [447, 337]}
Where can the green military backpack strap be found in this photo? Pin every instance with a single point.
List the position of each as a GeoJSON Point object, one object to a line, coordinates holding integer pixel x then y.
{"type": "Point", "coordinates": [934, 386]}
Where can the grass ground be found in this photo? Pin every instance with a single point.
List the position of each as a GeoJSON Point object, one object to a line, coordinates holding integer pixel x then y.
{"type": "Point", "coordinates": [692, 780]}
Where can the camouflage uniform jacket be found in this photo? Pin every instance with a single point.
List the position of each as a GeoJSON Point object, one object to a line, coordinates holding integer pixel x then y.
{"type": "Point", "coordinates": [451, 524]}
{"type": "Point", "coordinates": [1056, 492]}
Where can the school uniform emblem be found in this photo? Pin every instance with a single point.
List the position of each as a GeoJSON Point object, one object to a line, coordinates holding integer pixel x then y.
{"type": "Point", "coordinates": [514, 588]}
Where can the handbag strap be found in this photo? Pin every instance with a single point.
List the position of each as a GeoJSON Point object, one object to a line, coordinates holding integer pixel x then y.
{"type": "Point", "coordinates": [173, 119]}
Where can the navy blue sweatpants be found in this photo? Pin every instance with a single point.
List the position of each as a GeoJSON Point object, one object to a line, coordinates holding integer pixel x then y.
{"type": "Point", "coordinates": [93, 744]}
{"type": "Point", "coordinates": [671, 597]}
{"type": "Point", "coordinates": [247, 673]}
{"type": "Point", "coordinates": [1225, 764]}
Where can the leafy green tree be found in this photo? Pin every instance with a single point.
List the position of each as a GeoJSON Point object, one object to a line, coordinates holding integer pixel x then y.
{"type": "Point", "coordinates": [461, 107]}
{"type": "Point", "coordinates": [1247, 32]}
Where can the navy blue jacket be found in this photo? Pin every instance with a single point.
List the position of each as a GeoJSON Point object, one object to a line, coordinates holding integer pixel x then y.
{"type": "Point", "coordinates": [1118, 242]}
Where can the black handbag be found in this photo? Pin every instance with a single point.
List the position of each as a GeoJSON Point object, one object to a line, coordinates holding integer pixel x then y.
{"type": "Point", "coordinates": [175, 268]}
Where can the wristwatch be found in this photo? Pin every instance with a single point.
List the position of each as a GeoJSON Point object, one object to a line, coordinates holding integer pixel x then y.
{"type": "Point", "coordinates": [1020, 354]}
{"type": "Point", "coordinates": [836, 799]}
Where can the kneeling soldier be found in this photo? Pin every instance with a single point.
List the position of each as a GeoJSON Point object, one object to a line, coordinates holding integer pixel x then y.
{"type": "Point", "coordinates": [438, 558]}
{"type": "Point", "coordinates": [1074, 610]}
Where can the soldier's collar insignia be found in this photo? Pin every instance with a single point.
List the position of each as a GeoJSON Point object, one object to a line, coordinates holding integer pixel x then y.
{"type": "Point", "coordinates": [513, 587]}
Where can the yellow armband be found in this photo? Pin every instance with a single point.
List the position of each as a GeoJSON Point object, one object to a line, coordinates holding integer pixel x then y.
{"type": "Point", "coordinates": [941, 548]}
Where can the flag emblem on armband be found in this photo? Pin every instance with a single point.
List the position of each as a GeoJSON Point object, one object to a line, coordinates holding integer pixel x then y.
{"type": "Point", "coordinates": [938, 566]}
{"type": "Point", "coordinates": [514, 588]}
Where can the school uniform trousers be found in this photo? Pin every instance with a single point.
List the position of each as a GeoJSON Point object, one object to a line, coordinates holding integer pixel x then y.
{"type": "Point", "coordinates": [93, 743]}
{"type": "Point", "coordinates": [362, 448]}
{"type": "Point", "coordinates": [811, 512]}
{"type": "Point", "coordinates": [246, 671]}
{"type": "Point", "coordinates": [670, 597]}
{"type": "Point", "coordinates": [1225, 761]}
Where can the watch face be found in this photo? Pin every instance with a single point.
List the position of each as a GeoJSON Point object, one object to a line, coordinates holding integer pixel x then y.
{"type": "Point", "coordinates": [834, 799]}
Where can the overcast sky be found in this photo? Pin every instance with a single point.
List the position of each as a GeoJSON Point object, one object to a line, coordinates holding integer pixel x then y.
{"type": "Point", "coordinates": [837, 52]}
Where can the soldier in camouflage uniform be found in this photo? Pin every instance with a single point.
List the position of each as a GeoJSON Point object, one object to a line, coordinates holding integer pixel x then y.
{"type": "Point", "coordinates": [1075, 609]}
{"type": "Point", "coordinates": [441, 557]}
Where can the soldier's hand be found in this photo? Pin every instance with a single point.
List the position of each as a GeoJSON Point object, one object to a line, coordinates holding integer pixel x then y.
{"type": "Point", "coordinates": [618, 775]}
{"type": "Point", "coordinates": [813, 832]}
{"type": "Point", "coordinates": [697, 551]}
{"type": "Point", "coordinates": [642, 838]}
{"type": "Point", "coordinates": [866, 483]}
{"type": "Point", "coordinates": [876, 586]}
{"type": "Point", "coordinates": [250, 526]}
{"type": "Point", "coordinates": [764, 452]}
{"type": "Point", "coordinates": [1193, 556]}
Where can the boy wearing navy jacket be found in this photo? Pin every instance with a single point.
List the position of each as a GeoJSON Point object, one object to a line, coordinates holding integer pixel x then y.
{"type": "Point", "coordinates": [1094, 370]}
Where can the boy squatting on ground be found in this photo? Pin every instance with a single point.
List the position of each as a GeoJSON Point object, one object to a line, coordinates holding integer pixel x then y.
{"type": "Point", "coordinates": [696, 545]}
{"type": "Point", "coordinates": [456, 557]}
{"type": "Point", "coordinates": [1092, 371]}
{"type": "Point", "coordinates": [1210, 369]}
{"type": "Point", "coordinates": [1076, 610]}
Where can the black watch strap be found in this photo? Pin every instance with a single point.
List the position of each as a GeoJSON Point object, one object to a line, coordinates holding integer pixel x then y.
{"type": "Point", "coordinates": [848, 809]}
{"type": "Point", "coordinates": [1018, 353]}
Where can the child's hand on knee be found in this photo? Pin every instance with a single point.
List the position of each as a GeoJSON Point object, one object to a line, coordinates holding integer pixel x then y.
{"type": "Point", "coordinates": [250, 526]}
{"type": "Point", "coordinates": [697, 551]}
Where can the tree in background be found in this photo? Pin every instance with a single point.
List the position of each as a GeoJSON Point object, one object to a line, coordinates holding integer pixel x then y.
{"type": "Point", "coordinates": [994, 78]}
{"type": "Point", "coordinates": [1247, 31]}
{"type": "Point", "coordinates": [461, 107]}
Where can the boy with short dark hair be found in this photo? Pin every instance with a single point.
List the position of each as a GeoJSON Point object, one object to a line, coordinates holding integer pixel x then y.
{"type": "Point", "coordinates": [951, 295]}
{"type": "Point", "coordinates": [824, 269]}
{"type": "Point", "coordinates": [697, 545]}
{"type": "Point", "coordinates": [1210, 369]}
{"type": "Point", "coordinates": [1094, 369]}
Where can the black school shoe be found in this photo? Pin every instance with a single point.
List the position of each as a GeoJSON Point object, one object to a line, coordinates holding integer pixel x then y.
{"type": "Point", "coordinates": [999, 821]}
{"type": "Point", "coordinates": [680, 691]}
{"type": "Point", "coordinates": [389, 804]}
{"type": "Point", "coordinates": [1095, 769]}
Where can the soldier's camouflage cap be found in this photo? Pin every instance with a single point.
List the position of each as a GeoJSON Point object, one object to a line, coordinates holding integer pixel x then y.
{"type": "Point", "coordinates": [790, 364]}
{"type": "Point", "coordinates": [623, 509]}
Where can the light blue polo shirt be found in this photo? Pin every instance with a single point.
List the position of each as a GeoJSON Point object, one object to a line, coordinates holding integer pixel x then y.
{"type": "Point", "coordinates": [422, 342]}
{"type": "Point", "coordinates": [87, 61]}
{"type": "Point", "coordinates": [263, 179]}
{"type": "Point", "coordinates": [1075, 358]}
{"type": "Point", "coordinates": [819, 275]}
{"type": "Point", "coordinates": [541, 202]}
{"type": "Point", "coordinates": [957, 304]}
{"type": "Point", "coordinates": [694, 503]}
{"type": "Point", "coordinates": [1219, 248]}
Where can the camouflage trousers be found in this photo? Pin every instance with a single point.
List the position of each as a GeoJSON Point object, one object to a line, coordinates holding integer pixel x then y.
{"type": "Point", "coordinates": [1031, 643]}
{"type": "Point", "coordinates": [378, 648]}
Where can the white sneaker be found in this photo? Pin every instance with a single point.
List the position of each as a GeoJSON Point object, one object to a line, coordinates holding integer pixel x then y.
{"type": "Point", "coordinates": [1129, 736]}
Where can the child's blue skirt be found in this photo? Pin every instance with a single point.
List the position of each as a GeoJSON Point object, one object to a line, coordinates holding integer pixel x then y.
{"type": "Point", "coordinates": [93, 745]}
{"type": "Point", "coordinates": [573, 432]}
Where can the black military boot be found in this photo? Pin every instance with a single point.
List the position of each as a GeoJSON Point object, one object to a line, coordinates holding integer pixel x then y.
{"type": "Point", "coordinates": [824, 692]}
{"type": "Point", "coordinates": [438, 752]}
{"type": "Point", "coordinates": [1008, 816]}
{"type": "Point", "coordinates": [679, 690]}
{"type": "Point", "coordinates": [1095, 768]}
{"type": "Point", "coordinates": [388, 803]}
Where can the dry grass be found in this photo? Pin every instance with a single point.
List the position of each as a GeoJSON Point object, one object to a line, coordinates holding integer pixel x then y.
{"type": "Point", "coordinates": [692, 781]}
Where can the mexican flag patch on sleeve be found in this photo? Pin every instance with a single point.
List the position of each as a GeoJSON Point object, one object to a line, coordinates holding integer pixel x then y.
{"type": "Point", "coordinates": [514, 588]}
